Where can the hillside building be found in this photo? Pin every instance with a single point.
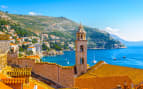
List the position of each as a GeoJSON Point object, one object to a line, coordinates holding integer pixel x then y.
{"type": "Point", "coordinates": [33, 49]}
{"type": "Point", "coordinates": [14, 47]}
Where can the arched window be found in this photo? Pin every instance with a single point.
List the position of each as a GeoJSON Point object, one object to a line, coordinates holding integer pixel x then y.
{"type": "Point", "coordinates": [81, 36]}
{"type": "Point", "coordinates": [81, 48]}
{"type": "Point", "coordinates": [81, 60]}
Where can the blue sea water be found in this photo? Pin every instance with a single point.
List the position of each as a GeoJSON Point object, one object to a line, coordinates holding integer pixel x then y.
{"type": "Point", "coordinates": [129, 57]}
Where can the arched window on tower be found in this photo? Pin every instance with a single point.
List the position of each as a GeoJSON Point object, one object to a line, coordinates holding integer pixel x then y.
{"type": "Point", "coordinates": [81, 48]}
{"type": "Point", "coordinates": [81, 36]}
{"type": "Point", "coordinates": [81, 60]}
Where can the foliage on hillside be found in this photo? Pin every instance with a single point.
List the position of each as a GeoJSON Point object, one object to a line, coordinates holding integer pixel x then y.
{"type": "Point", "coordinates": [65, 29]}
{"type": "Point", "coordinates": [21, 32]}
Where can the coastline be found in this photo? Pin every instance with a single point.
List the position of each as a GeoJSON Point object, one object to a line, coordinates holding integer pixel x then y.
{"type": "Point", "coordinates": [111, 48]}
{"type": "Point", "coordinates": [121, 55]}
{"type": "Point", "coordinates": [62, 52]}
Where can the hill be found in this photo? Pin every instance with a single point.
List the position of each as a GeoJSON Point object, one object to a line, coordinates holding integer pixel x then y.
{"type": "Point", "coordinates": [65, 29]}
{"type": "Point", "coordinates": [6, 22]}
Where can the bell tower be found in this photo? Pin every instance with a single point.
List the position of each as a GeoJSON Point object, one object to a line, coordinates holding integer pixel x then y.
{"type": "Point", "coordinates": [81, 51]}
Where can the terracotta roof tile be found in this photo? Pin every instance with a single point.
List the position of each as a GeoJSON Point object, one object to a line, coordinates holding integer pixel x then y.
{"type": "Point", "coordinates": [31, 47]}
{"type": "Point", "coordinates": [3, 86]}
{"type": "Point", "coordinates": [106, 71]}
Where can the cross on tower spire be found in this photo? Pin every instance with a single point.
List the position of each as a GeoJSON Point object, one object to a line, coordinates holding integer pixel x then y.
{"type": "Point", "coordinates": [80, 29]}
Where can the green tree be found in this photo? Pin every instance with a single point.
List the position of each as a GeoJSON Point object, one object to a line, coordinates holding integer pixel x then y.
{"type": "Point", "coordinates": [20, 55]}
{"type": "Point", "coordinates": [21, 49]}
{"type": "Point", "coordinates": [29, 52]}
{"type": "Point", "coordinates": [44, 47]}
{"type": "Point", "coordinates": [57, 47]}
{"type": "Point", "coordinates": [25, 47]}
{"type": "Point", "coordinates": [34, 41]}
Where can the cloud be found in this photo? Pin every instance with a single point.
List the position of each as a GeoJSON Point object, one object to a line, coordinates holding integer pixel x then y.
{"type": "Point", "coordinates": [115, 32]}
{"type": "Point", "coordinates": [32, 13]}
{"type": "Point", "coordinates": [4, 7]}
{"type": "Point", "coordinates": [112, 31]}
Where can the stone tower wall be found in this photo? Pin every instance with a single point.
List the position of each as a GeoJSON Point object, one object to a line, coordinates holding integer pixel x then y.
{"type": "Point", "coordinates": [81, 68]}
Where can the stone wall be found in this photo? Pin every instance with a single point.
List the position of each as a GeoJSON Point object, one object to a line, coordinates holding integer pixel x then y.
{"type": "Point", "coordinates": [59, 74]}
{"type": "Point", "coordinates": [3, 60]}
{"type": "Point", "coordinates": [66, 77]}
{"type": "Point", "coordinates": [4, 47]}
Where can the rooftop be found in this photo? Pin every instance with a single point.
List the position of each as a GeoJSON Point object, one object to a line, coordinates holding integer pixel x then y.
{"type": "Point", "coordinates": [4, 37]}
{"type": "Point", "coordinates": [32, 83]}
{"type": "Point", "coordinates": [3, 86]}
{"type": "Point", "coordinates": [31, 47]}
{"type": "Point", "coordinates": [13, 44]}
{"type": "Point", "coordinates": [26, 42]}
{"type": "Point", "coordinates": [33, 57]}
{"type": "Point", "coordinates": [102, 69]}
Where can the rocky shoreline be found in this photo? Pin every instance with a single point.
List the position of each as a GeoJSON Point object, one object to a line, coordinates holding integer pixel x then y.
{"type": "Point", "coordinates": [52, 53]}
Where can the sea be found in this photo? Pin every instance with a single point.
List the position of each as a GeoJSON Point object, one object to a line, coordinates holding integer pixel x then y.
{"type": "Point", "coordinates": [131, 56]}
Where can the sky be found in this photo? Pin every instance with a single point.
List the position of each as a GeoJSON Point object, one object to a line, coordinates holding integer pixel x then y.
{"type": "Point", "coordinates": [123, 18]}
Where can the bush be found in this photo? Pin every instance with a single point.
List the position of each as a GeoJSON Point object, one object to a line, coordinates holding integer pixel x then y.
{"type": "Point", "coordinates": [44, 47]}
{"type": "Point", "coordinates": [29, 52]}
{"type": "Point", "coordinates": [34, 41]}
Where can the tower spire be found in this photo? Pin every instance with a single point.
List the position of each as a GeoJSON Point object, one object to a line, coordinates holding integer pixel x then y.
{"type": "Point", "coordinates": [81, 34]}
{"type": "Point", "coordinates": [80, 26]}
{"type": "Point", "coordinates": [81, 29]}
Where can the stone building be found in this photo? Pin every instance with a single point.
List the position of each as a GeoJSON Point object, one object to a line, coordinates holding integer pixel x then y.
{"type": "Point", "coordinates": [4, 47]}
{"type": "Point", "coordinates": [3, 60]}
{"type": "Point", "coordinates": [33, 49]}
{"type": "Point", "coordinates": [14, 47]}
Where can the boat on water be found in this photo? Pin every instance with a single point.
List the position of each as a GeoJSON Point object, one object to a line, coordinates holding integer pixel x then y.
{"type": "Point", "coordinates": [68, 62]}
{"type": "Point", "coordinates": [124, 56]}
{"type": "Point", "coordinates": [94, 61]}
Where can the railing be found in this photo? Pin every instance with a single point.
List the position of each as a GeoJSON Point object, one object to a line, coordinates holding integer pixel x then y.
{"type": "Point", "coordinates": [13, 80]}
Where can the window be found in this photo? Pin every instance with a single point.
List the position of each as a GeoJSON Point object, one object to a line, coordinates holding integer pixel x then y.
{"type": "Point", "coordinates": [81, 36]}
{"type": "Point", "coordinates": [81, 60]}
{"type": "Point", "coordinates": [81, 48]}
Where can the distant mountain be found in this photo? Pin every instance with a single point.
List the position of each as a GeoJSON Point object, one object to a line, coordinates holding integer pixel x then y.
{"type": "Point", "coordinates": [65, 29]}
{"type": "Point", "coordinates": [134, 43]}
{"type": "Point", "coordinates": [128, 43]}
